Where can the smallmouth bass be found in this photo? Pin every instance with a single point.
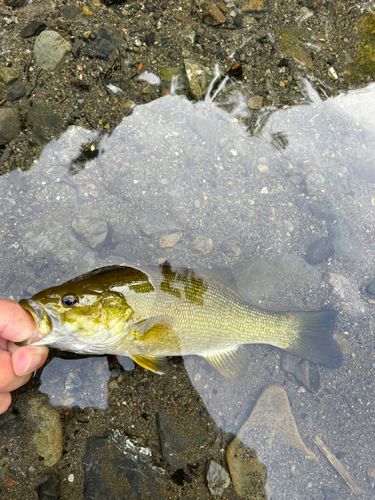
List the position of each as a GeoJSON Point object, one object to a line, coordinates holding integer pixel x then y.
{"type": "Point", "coordinates": [154, 312]}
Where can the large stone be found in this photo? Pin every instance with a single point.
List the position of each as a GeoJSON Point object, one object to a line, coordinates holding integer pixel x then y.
{"type": "Point", "coordinates": [50, 489]}
{"type": "Point", "coordinates": [305, 372]}
{"type": "Point", "coordinates": [351, 302]}
{"type": "Point", "coordinates": [198, 77]}
{"type": "Point", "coordinates": [217, 478]}
{"type": "Point", "coordinates": [33, 29]}
{"type": "Point", "coordinates": [43, 430]}
{"type": "Point", "coordinates": [203, 245]}
{"type": "Point", "coordinates": [90, 228]}
{"type": "Point", "coordinates": [345, 240]}
{"type": "Point", "coordinates": [155, 223]}
{"type": "Point", "coordinates": [50, 48]}
{"type": "Point", "coordinates": [56, 240]}
{"type": "Point", "coordinates": [8, 74]}
{"type": "Point", "coordinates": [45, 123]}
{"type": "Point", "coordinates": [319, 251]}
{"type": "Point", "coordinates": [248, 473]}
{"type": "Point", "coordinates": [268, 439]}
{"type": "Point", "coordinates": [120, 467]}
{"type": "Point", "coordinates": [213, 16]}
{"type": "Point", "coordinates": [16, 91]}
{"type": "Point", "coordinates": [172, 442]}
{"type": "Point", "coordinates": [9, 125]}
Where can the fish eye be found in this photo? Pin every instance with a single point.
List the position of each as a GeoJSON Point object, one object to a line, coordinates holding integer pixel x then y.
{"type": "Point", "coordinates": [69, 300]}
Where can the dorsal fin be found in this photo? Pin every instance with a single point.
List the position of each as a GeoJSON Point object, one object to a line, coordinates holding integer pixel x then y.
{"type": "Point", "coordinates": [223, 275]}
{"type": "Point", "coordinates": [95, 272]}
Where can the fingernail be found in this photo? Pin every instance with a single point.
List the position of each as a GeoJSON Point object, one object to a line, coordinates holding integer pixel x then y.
{"type": "Point", "coordinates": [28, 364]}
{"type": "Point", "coordinates": [34, 363]}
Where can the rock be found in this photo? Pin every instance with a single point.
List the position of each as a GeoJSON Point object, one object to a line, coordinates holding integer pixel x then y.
{"type": "Point", "coordinates": [8, 75]}
{"type": "Point", "coordinates": [319, 251]}
{"type": "Point", "coordinates": [90, 228]}
{"type": "Point", "coordinates": [70, 12]}
{"type": "Point", "coordinates": [86, 11]}
{"type": "Point", "coordinates": [247, 472]}
{"type": "Point", "coordinates": [50, 489]}
{"type": "Point", "coordinates": [255, 102]}
{"type": "Point", "coordinates": [152, 223]}
{"type": "Point", "coordinates": [198, 77]}
{"type": "Point", "coordinates": [10, 428]}
{"type": "Point", "coordinates": [237, 21]}
{"type": "Point", "coordinates": [344, 239]}
{"type": "Point", "coordinates": [168, 73]}
{"type": "Point", "coordinates": [217, 478]}
{"type": "Point", "coordinates": [271, 431]}
{"type": "Point", "coordinates": [347, 292]}
{"type": "Point", "coordinates": [77, 47]}
{"type": "Point", "coordinates": [295, 179]}
{"type": "Point", "coordinates": [50, 48]}
{"type": "Point", "coordinates": [332, 73]}
{"type": "Point", "coordinates": [15, 3]}
{"type": "Point", "coordinates": [371, 288]}
{"type": "Point", "coordinates": [169, 240]}
{"type": "Point", "coordinates": [329, 493]}
{"type": "Point", "coordinates": [262, 168]}
{"type": "Point", "coordinates": [79, 382]}
{"type": "Point", "coordinates": [130, 471]}
{"type": "Point", "coordinates": [102, 47]}
{"type": "Point", "coordinates": [55, 240]}
{"type": "Point", "coordinates": [5, 155]}
{"type": "Point", "coordinates": [213, 16]}
{"type": "Point", "coordinates": [305, 372]}
{"type": "Point", "coordinates": [43, 429]}
{"type": "Point", "coordinates": [314, 182]}
{"type": "Point", "coordinates": [9, 125]}
{"type": "Point", "coordinates": [4, 475]}
{"type": "Point", "coordinates": [16, 91]}
{"type": "Point", "coordinates": [261, 279]}
{"type": "Point", "coordinates": [253, 5]}
{"type": "Point", "coordinates": [365, 167]}
{"type": "Point", "coordinates": [203, 245]}
{"type": "Point", "coordinates": [172, 442]}
{"type": "Point", "coordinates": [45, 123]}
{"type": "Point", "coordinates": [33, 29]}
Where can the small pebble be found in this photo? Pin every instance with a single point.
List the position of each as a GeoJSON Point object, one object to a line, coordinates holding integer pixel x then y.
{"type": "Point", "coordinates": [263, 169]}
{"type": "Point", "coordinates": [371, 288]}
{"type": "Point", "coordinates": [71, 478]}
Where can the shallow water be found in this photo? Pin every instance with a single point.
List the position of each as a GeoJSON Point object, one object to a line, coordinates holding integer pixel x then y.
{"type": "Point", "coordinates": [177, 166]}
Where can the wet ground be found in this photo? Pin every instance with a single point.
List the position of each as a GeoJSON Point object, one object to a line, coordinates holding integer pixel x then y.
{"type": "Point", "coordinates": [272, 177]}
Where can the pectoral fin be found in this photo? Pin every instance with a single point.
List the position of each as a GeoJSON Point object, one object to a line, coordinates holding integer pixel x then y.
{"type": "Point", "coordinates": [143, 325]}
{"type": "Point", "coordinates": [156, 364]}
{"type": "Point", "coordinates": [231, 363]}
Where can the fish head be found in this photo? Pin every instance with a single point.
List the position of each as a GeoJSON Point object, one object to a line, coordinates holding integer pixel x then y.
{"type": "Point", "coordinates": [79, 317]}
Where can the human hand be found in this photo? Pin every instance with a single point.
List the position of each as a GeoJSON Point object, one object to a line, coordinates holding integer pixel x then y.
{"type": "Point", "coordinates": [16, 363]}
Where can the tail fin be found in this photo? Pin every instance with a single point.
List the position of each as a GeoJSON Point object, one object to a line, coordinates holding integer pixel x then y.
{"type": "Point", "coordinates": [315, 342]}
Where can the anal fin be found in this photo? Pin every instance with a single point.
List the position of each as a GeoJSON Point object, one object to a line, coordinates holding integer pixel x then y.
{"type": "Point", "coordinates": [231, 363]}
{"type": "Point", "coordinates": [156, 364]}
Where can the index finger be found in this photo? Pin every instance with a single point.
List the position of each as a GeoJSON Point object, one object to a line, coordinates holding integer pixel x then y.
{"type": "Point", "coordinates": [16, 324]}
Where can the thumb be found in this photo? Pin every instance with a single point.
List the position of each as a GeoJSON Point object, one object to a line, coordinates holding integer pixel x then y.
{"type": "Point", "coordinates": [27, 359]}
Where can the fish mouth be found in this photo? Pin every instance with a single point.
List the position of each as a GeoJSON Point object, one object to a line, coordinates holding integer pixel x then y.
{"type": "Point", "coordinates": [42, 319]}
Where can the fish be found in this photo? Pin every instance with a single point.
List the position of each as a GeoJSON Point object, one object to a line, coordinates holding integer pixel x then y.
{"type": "Point", "coordinates": [151, 312]}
